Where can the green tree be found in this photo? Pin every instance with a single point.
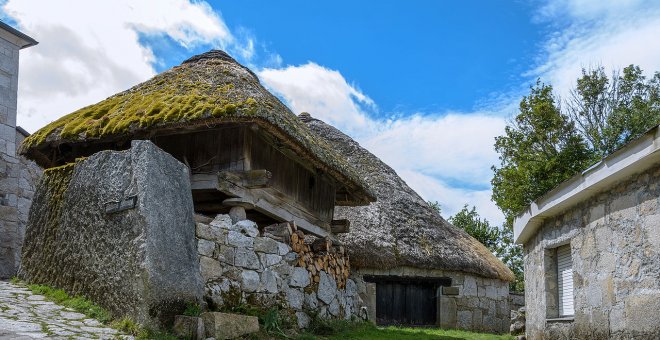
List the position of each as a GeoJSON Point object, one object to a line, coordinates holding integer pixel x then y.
{"type": "Point", "coordinates": [478, 228]}
{"type": "Point", "coordinates": [612, 112]}
{"type": "Point", "coordinates": [540, 149]}
{"type": "Point", "coordinates": [544, 146]}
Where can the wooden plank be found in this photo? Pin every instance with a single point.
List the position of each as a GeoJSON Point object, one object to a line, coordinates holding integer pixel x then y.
{"type": "Point", "coordinates": [249, 178]}
{"type": "Point", "coordinates": [204, 182]}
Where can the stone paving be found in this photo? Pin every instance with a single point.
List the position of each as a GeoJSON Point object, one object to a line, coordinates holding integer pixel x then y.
{"type": "Point", "coordinates": [25, 316]}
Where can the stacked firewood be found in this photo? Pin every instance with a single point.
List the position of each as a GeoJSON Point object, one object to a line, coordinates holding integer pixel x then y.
{"type": "Point", "coordinates": [314, 254]}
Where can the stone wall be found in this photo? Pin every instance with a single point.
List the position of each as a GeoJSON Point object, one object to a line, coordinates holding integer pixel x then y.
{"type": "Point", "coordinates": [615, 247]}
{"type": "Point", "coordinates": [9, 163]}
{"type": "Point", "coordinates": [117, 227]}
{"type": "Point", "coordinates": [22, 177]}
{"type": "Point", "coordinates": [472, 303]}
{"type": "Point", "coordinates": [28, 178]}
{"type": "Point", "coordinates": [240, 267]}
{"type": "Point", "coordinates": [516, 300]}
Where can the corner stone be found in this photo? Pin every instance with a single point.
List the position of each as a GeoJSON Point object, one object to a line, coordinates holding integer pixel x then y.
{"type": "Point", "coordinates": [229, 326]}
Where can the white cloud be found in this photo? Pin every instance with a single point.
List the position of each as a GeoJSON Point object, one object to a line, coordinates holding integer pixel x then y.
{"type": "Point", "coordinates": [89, 50]}
{"type": "Point", "coordinates": [454, 147]}
{"type": "Point", "coordinates": [323, 92]}
{"type": "Point", "coordinates": [452, 199]}
{"type": "Point", "coordinates": [591, 33]}
{"type": "Point", "coordinates": [445, 158]}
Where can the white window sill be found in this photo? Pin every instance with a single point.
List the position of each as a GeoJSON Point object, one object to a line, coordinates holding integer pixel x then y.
{"type": "Point", "coordinates": [562, 319]}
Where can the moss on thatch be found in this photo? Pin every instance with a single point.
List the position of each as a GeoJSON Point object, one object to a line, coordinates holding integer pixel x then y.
{"type": "Point", "coordinates": [206, 90]}
{"type": "Point", "coordinates": [400, 228]}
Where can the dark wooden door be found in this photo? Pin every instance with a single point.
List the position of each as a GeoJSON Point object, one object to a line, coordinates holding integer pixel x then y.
{"type": "Point", "coordinates": [405, 303]}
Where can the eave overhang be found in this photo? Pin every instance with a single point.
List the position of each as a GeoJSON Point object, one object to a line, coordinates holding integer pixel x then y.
{"type": "Point", "coordinates": [634, 157]}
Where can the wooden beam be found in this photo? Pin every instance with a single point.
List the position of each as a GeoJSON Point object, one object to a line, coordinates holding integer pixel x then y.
{"type": "Point", "coordinates": [204, 182]}
{"type": "Point", "coordinates": [249, 179]}
{"type": "Point", "coordinates": [340, 226]}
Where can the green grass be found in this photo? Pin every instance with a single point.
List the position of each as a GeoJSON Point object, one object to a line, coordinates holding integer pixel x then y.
{"type": "Point", "coordinates": [77, 303]}
{"type": "Point", "coordinates": [193, 310]}
{"type": "Point", "coordinates": [342, 330]}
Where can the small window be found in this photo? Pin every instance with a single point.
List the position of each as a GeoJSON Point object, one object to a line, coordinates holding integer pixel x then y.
{"type": "Point", "coordinates": [565, 281]}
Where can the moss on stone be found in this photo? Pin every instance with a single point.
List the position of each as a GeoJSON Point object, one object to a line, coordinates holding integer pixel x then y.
{"type": "Point", "coordinates": [232, 298]}
{"type": "Point", "coordinates": [202, 92]}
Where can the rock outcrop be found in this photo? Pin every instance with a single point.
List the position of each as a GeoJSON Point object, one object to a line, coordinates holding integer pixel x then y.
{"type": "Point", "coordinates": [118, 228]}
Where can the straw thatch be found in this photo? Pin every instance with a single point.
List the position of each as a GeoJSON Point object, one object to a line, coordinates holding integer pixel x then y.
{"type": "Point", "coordinates": [400, 228]}
{"type": "Point", "coordinates": [203, 92]}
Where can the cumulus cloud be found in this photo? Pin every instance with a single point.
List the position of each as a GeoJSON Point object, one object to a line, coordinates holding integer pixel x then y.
{"type": "Point", "coordinates": [321, 91]}
{"type": "Point", "coordinates": [590, 33]}
{"type": "Point", "coordinates": [92, 52]}
{"type": "Point", "coordinates": [445, 158]}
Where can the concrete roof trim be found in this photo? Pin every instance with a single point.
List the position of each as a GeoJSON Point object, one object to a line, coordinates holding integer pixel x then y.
{"type": "Point", "coordinates": [15, 36]}
{"type": "Point", "coordinates": [635, 157]}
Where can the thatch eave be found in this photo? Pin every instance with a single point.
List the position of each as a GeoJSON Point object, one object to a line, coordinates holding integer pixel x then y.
{"type": "Point", "coordinates": [400, 229]}
{"type": "Point", "coordinates": [207, 90]}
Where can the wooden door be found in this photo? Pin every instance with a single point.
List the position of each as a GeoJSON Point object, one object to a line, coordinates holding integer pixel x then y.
{"type": "Point", "coordinates": [405, 303]}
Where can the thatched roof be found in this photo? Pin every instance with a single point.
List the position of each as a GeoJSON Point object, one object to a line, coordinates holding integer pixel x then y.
{"type": "Point", "coordinates": [400, 229]}
{"type": "Point", "coordinates": [205, 91]}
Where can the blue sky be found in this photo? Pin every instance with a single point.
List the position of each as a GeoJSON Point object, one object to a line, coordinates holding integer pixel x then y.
{"type": "Point", "coordinates": [431, 56]}
{"type": "Point", "coordinates": [425, 85]}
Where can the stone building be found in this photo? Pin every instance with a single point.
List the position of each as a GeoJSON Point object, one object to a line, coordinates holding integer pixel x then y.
{"type": "Point", "coordinates": [592, 250]}
{"type": "Point", "coordinates": [410, 265]}
{"type": "Point", "coordinates": [113, 215]}
{"type": "Point", "coordinates": [17, 175]}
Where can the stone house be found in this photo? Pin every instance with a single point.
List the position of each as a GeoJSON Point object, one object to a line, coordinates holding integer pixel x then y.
{"type": "Point", "coordinates": [411, 266]}
{"type": "Point", "coordinates": [592, 250]}
{"type": "Point", "coordinates": [18, 175]}
{"type": "Point", "coordinates": [189, 181]}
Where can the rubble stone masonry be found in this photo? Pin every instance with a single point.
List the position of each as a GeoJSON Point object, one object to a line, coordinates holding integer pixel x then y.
{"type": "Point", "coordinates": [615, 248]}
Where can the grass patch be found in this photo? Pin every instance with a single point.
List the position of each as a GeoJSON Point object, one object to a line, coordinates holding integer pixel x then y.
{"type": "Point", "coordinates": [192, 309]}
{"type": "Point", "coordinates": [365, 331]}
{"type": "Point", "coordinates": [77, 303]}
{"type": "Point", "coordinates": [127, 325]}
{"type": "Point", "coordinates": [342, 330]}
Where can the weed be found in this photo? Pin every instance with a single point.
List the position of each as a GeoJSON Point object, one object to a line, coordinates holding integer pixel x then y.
{"type": "Point", "coordinates": [192, 309]}
{"type": "Point", "coordinates": [127, 325]}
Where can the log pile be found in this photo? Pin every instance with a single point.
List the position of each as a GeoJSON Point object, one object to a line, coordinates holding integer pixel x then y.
{"type": "Point", "coordinates": [314, 254]}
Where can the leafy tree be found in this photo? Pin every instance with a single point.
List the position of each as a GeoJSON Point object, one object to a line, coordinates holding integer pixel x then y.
{"type": "Point", "coordinates": [478, 228]}
{"type": "Point", "coordinates": [544, 146]}
{"type": "Point", "coordinates": [540, 149]}
{"type": "Point", "coordinates": [611, 112]}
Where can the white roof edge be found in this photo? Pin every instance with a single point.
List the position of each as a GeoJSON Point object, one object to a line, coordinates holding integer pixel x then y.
{"type": "Point", "coordinates": [634, 157]}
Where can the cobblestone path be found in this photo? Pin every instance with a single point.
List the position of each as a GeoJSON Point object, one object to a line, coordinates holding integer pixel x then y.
{"type": "Point", "coordinates": [25, 316]}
